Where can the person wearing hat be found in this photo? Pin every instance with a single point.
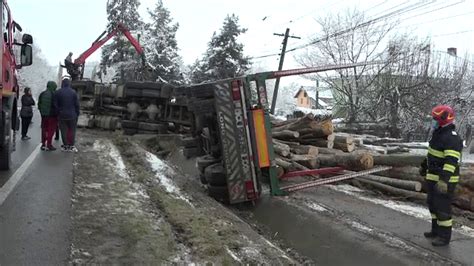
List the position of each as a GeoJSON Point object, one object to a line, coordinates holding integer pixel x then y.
{"type": "Point", "coordinates": [26, 112]}
{"type": "Point", "coordinates": [49, 119]}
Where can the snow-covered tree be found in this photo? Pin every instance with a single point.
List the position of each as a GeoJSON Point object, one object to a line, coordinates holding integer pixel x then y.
{"type": "Point", "coordinates": [38, 74]}
{"type": "Point", "coordinates": [161, 47]}
{"type": "Point", "coordinates": [224, 57]}
{"type": "Point", "coordinates": [120, 54]}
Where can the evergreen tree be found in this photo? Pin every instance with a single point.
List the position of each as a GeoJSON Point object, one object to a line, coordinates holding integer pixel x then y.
{"type": "Point", "coordinates": [224, 56]}
{"type": "Point", "coordinates": [120, 54]}
{"type": "Point", "coordinates": [161, 47]}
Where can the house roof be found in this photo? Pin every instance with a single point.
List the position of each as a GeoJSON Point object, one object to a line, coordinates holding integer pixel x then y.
{"type": "Point", "coordinates": [298, 93]}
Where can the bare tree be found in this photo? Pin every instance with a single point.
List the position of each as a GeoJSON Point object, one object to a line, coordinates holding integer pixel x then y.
{"type": "Point", "coordinates": [358, 41]}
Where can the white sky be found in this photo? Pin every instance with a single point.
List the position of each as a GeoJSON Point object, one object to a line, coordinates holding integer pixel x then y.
{"type": "Point", "coordinates": [60, 26]}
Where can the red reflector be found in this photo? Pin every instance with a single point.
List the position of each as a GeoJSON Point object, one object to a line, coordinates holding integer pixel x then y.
{"type": "Point", "coordinates": [250, 189]}
{"type": "Point", "coordinates": [235, 90]}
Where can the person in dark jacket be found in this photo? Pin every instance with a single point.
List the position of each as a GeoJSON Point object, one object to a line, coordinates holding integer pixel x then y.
{"type": "Point", "coordinates": [67, 103]}
{"type": "Point", "coordinates": [441, 171]}
{"type": "Point", "coordinates": [26, 112]}
{"type": "Point", "coordinates": [49, 117]}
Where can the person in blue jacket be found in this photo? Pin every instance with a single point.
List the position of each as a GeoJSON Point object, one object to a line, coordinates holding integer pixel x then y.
{"type": "Point", "coordinates": [67, 105]}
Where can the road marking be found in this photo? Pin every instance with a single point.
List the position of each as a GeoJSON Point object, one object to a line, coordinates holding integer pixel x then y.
{"type": "Point", "coordinates": [17, 176]}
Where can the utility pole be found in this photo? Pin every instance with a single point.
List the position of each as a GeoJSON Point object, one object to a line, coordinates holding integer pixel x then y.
{"type": "Point", "coordinates": [280, 66]}
{"type": "Point", "coordinates": [317, 94]}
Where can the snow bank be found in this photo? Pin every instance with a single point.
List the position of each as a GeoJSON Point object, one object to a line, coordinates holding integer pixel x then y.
{"type": "Point", "coordinates": [162, 171]}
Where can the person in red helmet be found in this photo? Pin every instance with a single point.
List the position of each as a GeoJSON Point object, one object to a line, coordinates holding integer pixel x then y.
{"type": "Point", "coordinates": [441, 171]}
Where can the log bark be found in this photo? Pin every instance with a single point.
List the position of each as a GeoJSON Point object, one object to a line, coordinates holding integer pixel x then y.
{"type": "Point", "coordinates": [399, 159]}
{"type": "Point", "coordinates": [283, 164]}
{"type": "Point", "coordinates": [403, 184]}
{"type": "Point", "coordinates": [286, 134]}
{"type": "Point", "coordinates": [281, 149]}
{"type": "Point", "coordinates": [305, 150]}
{"type": "Point", "coordinates": [307, 119]}
{"type": "Point", "coordinates": [339, 138]}
{"type": "Point", "coordinates": [318, 143]}
{"type": "Point", "coordinates": [404, 173]}
{"type": "Point", "coordinates": [329, 151]}
{"type": "Point", "coordinates": [306, 160]}
{"type": "Point", "coordinates": [350, 161]}
{"type": "Point", "coordinates": [393, 190]}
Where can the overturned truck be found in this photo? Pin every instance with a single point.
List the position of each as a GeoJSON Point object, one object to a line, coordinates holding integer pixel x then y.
{"type": "Point", "coordinates": [228, 120]}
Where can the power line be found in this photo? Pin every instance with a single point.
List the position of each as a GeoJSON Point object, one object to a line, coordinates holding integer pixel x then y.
{"type": "Point", "coordinates": [452, 33]}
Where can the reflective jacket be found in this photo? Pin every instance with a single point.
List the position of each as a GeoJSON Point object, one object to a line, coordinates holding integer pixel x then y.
{"type": "Point", "coordinates": [444, 155]}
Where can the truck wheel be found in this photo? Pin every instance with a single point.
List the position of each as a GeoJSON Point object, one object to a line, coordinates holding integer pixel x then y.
{"type": "Point", "coordinates": [219, 193]}
{"type": "Point", "coordinates": [202, 178]}
{"type": "Point", "coordinates": [192, 152]}
{"type": "Point", "coordinates": [5, 147]}
{"type": "Point", "coordinates": [215, 175]}
{"type": "Point", "coordinates": [204, 161]}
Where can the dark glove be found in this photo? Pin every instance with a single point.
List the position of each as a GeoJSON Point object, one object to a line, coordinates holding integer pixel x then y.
{"type": "Point", "coordinates": [422, 171]}
{"type": "Point", "coordinates": [423, 168]}
{"type": "Point", "coordinates": [442, 187]}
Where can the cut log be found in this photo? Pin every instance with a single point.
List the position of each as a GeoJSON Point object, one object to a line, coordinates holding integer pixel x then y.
{"type": "Point", "coordinates": [286, 134]}
{"type": "Point", "coordinates": [329, 151]}
{"type": "Point", "coordinates": [305, 150]}
{"type": "Point", "coordinates": [284, 164]}
{"type": "Point", "coordinates": [345, 147]}
{"type": "Point", "coordinates": [280, 171]}
{"type": "Point", "coordinates": [291, 143]}
{"type": "Point", "coordinates": [350, 161]}
{"type": "Point", "coordinates": [393, 190]}
{"type": "Point", "coordinates": [298, 123]}
{"type": "Point", "coordinates": [404, 173]}
{"type": "Point", "coordinates": [318, 143]}
{"type": "Point", "coordinates": [306, 160]}
{"type": "Point", "coordinates": [281, 148]}
{"type": "Point", "coordinates": [347, 139]}
{"type": "Point", "coordinates": [403, 184]}
{"type": "Point", "coordinates": [399, 159]}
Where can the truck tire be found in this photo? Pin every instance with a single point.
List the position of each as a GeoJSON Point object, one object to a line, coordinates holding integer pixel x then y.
{"type": "Point", "coordinates": [189, 142]}
{"type": "Point", "coordinates": [130, 131]}
{"type": "Point", "coordinates": [5, 138]}
{"type": "Point", "coordinates": [129, 124]}
{"type": "Point", "coordinates": [204, 161]}
{"type": "Point", "coordinates": [152, 126]}
{"type": "Point", "coordinates": [215, 175]}
{"type": "Point", "coordinates": [219, 193]}
{"type": "Point", "coordinates": [191, 152]}
{"type": "Point", "coordinates": [202, 178]}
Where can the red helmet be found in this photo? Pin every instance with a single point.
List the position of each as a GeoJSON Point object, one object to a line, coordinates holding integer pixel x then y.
{"type": "Point", "coordinates": [444, 114]}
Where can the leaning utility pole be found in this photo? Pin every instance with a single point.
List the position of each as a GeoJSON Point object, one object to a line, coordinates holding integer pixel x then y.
{"type": "Point", "coordinates": [280, 66]}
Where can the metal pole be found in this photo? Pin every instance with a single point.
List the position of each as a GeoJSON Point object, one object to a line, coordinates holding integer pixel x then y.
{"type": "Point", "coordinates": [280, 66]}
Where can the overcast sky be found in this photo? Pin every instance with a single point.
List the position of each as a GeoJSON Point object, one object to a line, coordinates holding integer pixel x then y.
{"type": "Point", "coordinates": [60, 26]}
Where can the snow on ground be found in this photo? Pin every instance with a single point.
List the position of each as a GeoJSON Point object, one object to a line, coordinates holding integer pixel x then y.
{"type": "Point", "coordinates": [411, 209]}
{"type": "Point", "coordinates": [162, 172]}
{"type": "Point", "coordinates": [313, 111]}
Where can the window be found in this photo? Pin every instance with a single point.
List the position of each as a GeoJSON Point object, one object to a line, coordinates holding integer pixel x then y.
{"type": "Point", "coordinates": [5, 25]}
{"type": "Point", "coordinates": [307, 100]}
{"type": "Point", "coordinates": [301, 100]}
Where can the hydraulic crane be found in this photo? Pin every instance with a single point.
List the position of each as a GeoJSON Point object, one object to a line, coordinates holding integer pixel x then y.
{"type": "Point", "coordinates": [76, 69]}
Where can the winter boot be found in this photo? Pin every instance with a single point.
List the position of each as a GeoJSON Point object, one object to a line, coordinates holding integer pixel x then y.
{"type": "Point", "coordinates": [434, 228]}
{"type": "Point", "coordinates": [440, 242]}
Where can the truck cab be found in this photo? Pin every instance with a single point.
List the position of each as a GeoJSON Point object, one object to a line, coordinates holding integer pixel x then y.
{"type": "Point", "coordinates": [15, 55]}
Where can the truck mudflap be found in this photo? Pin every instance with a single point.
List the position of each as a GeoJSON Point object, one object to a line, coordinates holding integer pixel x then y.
{"type": "Point", "coordinates": [235, 140]}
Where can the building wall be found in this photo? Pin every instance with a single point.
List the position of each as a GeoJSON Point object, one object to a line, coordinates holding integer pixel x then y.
{"type": "Point", "coordinates": [302, 101]}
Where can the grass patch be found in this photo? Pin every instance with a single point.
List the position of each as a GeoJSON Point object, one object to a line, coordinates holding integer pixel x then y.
{"type": "Point", "coordinates": [202, 232]}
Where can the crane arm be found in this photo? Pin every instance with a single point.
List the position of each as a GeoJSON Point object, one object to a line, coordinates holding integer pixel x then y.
{"type": "Point", "coordinates": [101, 40]}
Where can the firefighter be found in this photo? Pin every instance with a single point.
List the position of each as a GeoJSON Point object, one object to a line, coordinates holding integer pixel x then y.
{"type": "Point", "coordinates": [441, 171]}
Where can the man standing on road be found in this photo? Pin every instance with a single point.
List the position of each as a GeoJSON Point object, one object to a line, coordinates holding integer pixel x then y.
{"type": "Point", "coordinates": [67, 102]}
{"type": "Point", "coordinates": [26, 113]}
{"type": "Point", "coordinates": [441, 168]}
{"type": "Point", "coordinates": [49, 119]}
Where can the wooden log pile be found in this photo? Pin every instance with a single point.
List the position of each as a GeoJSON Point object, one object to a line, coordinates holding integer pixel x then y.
{"type": "Point", "coordinates": [310, 143]}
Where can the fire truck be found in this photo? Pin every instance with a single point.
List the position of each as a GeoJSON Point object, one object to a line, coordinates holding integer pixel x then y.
{"type": "Point", "coordinates": [15, 55]}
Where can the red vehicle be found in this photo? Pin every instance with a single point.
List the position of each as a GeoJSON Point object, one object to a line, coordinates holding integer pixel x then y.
{"type": "Point", "coordinates": [76, 70]}
{"type": "Point", "coordinates": [9, 80]}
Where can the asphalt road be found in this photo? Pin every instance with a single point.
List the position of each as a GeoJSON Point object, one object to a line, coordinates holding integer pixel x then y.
{"type": "Point", "coordinates": [35, 216]}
